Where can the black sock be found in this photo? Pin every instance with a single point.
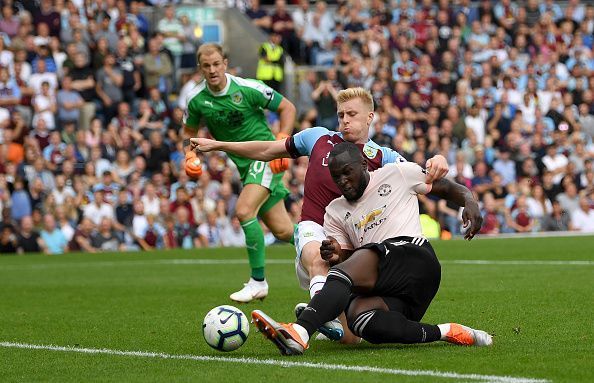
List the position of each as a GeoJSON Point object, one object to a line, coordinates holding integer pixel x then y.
{"type": "Point", "coordinates": [328, 303]}
{"type": "Point", "coordinates": [376, 326]}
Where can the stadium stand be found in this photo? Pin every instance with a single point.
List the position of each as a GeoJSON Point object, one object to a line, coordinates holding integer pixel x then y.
{"type": "Point", "coordinates": [89, 113]}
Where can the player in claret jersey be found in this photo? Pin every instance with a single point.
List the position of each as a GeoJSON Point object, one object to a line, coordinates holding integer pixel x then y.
{"type": "Point", "coordinates": [385, 272]}
{"type": "Point", "coordinates": [233, 110]}
{"type": "Point", "coordinates": [355, 114]}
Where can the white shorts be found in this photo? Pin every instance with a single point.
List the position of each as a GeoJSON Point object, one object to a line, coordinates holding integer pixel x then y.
{"type": "Point", "coordinates": [306, 232]}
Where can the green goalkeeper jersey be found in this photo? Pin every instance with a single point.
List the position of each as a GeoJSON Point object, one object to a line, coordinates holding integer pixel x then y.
{"type": "Point", "coordinates": [236, 113]}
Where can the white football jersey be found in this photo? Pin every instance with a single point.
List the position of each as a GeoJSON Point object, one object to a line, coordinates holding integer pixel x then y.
{"type": "Point", "coordinates": [388, 208]}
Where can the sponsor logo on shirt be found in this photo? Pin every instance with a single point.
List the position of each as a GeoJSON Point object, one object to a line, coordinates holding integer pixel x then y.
{"type": "Point", "coordinates": [384, 190]}
{"type": "Point", "coordinates": [369, 218]}
{"type": "Point", "coordinates": [237, 97]}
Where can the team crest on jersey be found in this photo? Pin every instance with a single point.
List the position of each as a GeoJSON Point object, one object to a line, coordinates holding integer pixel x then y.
{"type": "Point", "coordinates": [347, 215]}
{"type": "Point", "coordinates": [370, 152]}
{"type": "Point", "coordinates": [369, 218]}
{"type": "Point", "coordinates": [384, 190]}
{"type": "Point", "coordinates": [237, 97]}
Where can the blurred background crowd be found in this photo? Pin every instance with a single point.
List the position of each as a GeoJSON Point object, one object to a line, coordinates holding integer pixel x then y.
{"type": "Point", "coordinates": [92, 98]}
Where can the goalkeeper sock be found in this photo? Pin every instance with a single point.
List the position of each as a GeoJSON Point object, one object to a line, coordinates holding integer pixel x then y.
{"type": "Point", "coordinates": [254, 242]}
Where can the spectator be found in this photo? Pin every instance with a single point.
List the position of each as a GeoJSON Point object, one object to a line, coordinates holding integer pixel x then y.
{"type": "Point", "coordinates": [185, 231]}
{"type": "Point", "coordinates": [45, 107]}
{"type": "Point", "coordinates": [63, 223]}
{"type": "Point", "coordinates": [28, 239]}
{"type": "Point", "coordinates": [150, 200]}
{"type": "Point", "coordinates": [157, 68]}
{"type": "Point", "coordinates": [10, 23]}
{"type": "Point", "coordinates": [582, 219]}
{"type": "Point", "coordinates": [10, 93]}
{"type": "Point", "coordinates": [62, 191]}
{"type": "Point", "coordinates": [98, 209]}
{"type": "Point", "coordinates": [109, 87]}
{"type": "Point", "coordinates": [53, 238]}
{"type": "Point", "coordinates": [520, 218]}
{"type": "Point", "coordinates": [493, 219]}
{"type": "Point", "coordinates": [185, 92]}
{"type": "Point", "coordinates": [569, 199]}
{"type": "Point", "coordinates": [106, 238]}
{"type": "Point", "coordinates": [124, 211]}
{"type": "Point", "coordinates": [20, 201]}
{"type": "Point", "coordinates": [231, 233]}
{"type": "Point", "coordinates": [282, 23]}
{"type": "Point", "coordinates": [209, 232]}
{"type": "Point", "coordinates": [324, 97]}
{"type": "Point", "coordinates": [84, 83]}
{"type": "Point", "coordinates": [182, 201]}
{"type": "Point", "coordinates": [132, 80]}
{"type": "Point", "coordinates": [259, 16]}
{"type": "Point", "coordinates": [173, 33]}
{"type": "Point", "coordinates": [69, 102]}
{"type": "Point", "coordinates": [81, 240]}
{"type": "Point", "coordinates": [555, 162]}
{"type": "Point", "coordinates": [8, 240]}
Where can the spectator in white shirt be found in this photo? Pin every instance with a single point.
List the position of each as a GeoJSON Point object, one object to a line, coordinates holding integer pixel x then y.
{"type": "Point", "coordinates": [98, 209]}
{"type": "Point", "coordinates": [555, 163]}
{"type": "Point", "coordinates": [582, 219]}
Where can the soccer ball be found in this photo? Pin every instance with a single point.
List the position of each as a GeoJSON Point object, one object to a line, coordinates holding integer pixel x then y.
{"type": "Point", "coordinates": [225, 328]}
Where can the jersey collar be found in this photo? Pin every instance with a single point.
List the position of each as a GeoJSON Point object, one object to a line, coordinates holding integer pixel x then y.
{"type": "Point", "coordinates": [224, 90]}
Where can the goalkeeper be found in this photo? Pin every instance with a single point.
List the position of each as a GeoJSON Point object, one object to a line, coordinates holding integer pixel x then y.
{"type": "Point", "coordinates": [233, 110]}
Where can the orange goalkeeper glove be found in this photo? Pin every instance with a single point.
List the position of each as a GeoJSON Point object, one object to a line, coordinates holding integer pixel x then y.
{"type": "Point", "coordinates": [193, 165]}
{"type": "Point", "coordinates": [279, 165]}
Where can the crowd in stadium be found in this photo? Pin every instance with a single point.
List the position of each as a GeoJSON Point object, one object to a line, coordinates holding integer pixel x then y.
{"type": "Point", "coordinates": [90, 154]}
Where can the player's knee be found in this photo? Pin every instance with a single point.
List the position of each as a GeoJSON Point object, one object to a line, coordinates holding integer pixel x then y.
{"type": "Point", "coordinates": [314, 264]}
{"type": "Point", "coordinates": [359, 322]}
{"type": "Point", "coordinates": [336, 274]}
{"type": "Point", "coordinates": [244, 213]}
{"type": "Point", "coordinates": [284, 233]}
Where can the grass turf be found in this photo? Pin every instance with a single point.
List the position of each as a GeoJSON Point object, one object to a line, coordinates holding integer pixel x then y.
{"type": "Point", "coordinates": [541, 316]}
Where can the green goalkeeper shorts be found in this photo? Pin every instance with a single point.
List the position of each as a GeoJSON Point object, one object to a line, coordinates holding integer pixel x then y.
{"type": "Point", "coordinates": [259, 173]}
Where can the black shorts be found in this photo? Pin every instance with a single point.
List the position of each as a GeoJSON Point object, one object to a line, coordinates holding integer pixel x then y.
{"type": "Point", "coordinates": [408, 275]}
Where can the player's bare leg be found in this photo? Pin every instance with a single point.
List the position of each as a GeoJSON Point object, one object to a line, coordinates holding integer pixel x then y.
{"type": "Point", "coordinates": [278, 221]}
{"type": "Point", "coordinates": [249, 202]}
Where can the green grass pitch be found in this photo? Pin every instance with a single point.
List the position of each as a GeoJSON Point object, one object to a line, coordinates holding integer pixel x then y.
{"type": "Point", "coordinates": [540, 312]}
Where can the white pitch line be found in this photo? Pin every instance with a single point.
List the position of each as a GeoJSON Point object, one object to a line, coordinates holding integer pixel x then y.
{"type": "Point", "coordinates": [59, 265]}
{"type": "Point", "coordinates": [503, 262]}
{"type": "Point", "coordinates": [278, 363]}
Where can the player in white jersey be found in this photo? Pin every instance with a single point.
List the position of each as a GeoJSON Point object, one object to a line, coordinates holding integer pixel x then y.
{"type": "Point", "coordinates": [385, 272]}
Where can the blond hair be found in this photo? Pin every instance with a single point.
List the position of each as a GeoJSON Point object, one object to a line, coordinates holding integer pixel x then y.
{"type": "Point", "coordinates": [208, 49]}
{"type": "Point", "coordinates": [351, 93]}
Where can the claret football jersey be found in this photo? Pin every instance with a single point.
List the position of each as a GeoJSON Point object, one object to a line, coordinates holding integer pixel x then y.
{"type": "Point", "coordinates": [319, 188]}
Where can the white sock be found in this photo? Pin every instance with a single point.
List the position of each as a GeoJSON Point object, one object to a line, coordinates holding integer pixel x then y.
{"type": "Point", "coordinates": [316, 284]}
{"type": "Point", "coordinates": [302, 332]}
{"type": "Point", "coordinates": [444, 329]}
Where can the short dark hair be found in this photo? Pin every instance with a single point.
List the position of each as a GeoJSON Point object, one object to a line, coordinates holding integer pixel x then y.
{"type": "Point", "coordinates": [346, 147]}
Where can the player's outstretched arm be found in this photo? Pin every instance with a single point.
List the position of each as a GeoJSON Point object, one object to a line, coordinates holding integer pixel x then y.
{"type": "Point", "coordinates": [255, 150]}
{"type": "Point", "coordinates": [437, 168]}
{"type": "Point", "coordinates": [462, 196]}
